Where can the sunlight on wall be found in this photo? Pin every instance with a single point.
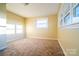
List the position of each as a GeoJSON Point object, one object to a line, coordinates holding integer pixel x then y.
{"type": "Point", "coordinates": [50, 32]}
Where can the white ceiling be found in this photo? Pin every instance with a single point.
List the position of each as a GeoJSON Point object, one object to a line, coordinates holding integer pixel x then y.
{"type": "Point", "coordinates": [33, 9]}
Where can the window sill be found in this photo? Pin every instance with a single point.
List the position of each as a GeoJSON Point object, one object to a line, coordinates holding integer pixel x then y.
{"type": "Point", "coordinates": [74, 25]}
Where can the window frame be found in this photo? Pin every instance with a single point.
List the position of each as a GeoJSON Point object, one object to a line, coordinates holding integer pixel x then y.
{"type": "Point", "coordinates": [74, 14]}
{"type": "Point", "coordinates": [74, 11]}
{"type": "Point", "coordinates": [65, 20]}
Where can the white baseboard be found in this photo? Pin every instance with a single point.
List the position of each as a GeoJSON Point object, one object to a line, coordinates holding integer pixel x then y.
{"type": "Point", "coordinates": [62, 48]}
{"type": "Point", "coordinates": [42, 38]}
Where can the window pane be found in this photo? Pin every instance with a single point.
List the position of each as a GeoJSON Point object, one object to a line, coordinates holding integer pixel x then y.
{"type": "Point", "coordinates": [19, 28]}
{"type": "Point", "coordinates": [77, 11]}
{"type": "Point", "coordinates": [67, 19]}
{"type": "Point", "coordinates": [2, 30]}
{"type": "Point", "coordinates": [75, 19]}
{"type": "Point", "coordinates": [19, 31]}
{"type": "Point", "coordinates": [42, 23]}
{"type": "Point", "coordinates": [2, 22]}
{"type": "Point", "coordinates": [9, 31]}
{"type": "Point", "coordinates": [10, 28]}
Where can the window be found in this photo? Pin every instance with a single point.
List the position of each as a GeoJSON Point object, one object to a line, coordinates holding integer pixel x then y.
{"type": "Point", "coordinates": [76, 14]}
{"type": "Point", "coordinates": [2, 30]}
{"type": "Point", "coordinates": [19, 28]}
{"type": "Point", "coordinates": [2, 22]}
{"type": "Point", "coordinates": [76, 11]}
{"type": "Point", "coordinates": [10, 28]}
{"type": "Point", "coordinates": [2, 26]}
{"type": "Point", "coordinates": [67, 19]}
{"type": "Point", "coordinates": [14, 28]}
{"type": "Point", "coordinates": [72, 16]}
{"type": "Point", "coordinates": [42, 23]}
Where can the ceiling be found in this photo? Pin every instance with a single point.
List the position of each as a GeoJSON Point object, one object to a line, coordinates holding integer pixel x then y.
{"type": "Point", "coordinates": [33, 9]}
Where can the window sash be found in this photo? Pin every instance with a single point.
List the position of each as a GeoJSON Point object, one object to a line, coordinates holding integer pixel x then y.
{"type": "Point", "coordinates": [67, 20]}
{"type": "Point", "coordinates": [76, 11]}
{"type": "Point", "coordinates": [75, 18]}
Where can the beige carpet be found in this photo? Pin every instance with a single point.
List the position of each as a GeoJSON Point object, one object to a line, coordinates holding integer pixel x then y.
{"type": "Point", "coordinates": [33, 47]}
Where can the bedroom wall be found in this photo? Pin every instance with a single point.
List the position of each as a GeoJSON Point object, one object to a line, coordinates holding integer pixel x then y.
{"type": "Point", "coordinates": [15, 19]}
{"type": "Point", "coordinates": [42, 33]}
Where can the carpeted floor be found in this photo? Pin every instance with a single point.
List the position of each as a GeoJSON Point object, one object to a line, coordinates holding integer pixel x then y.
{"type": "Point", "coordinates": [33, 47]}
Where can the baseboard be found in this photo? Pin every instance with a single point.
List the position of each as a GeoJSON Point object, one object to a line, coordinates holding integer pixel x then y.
{"type": "Point", "coordinates": [62, 48]}
{"type": "Point", "coordinates": [42, 38]}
